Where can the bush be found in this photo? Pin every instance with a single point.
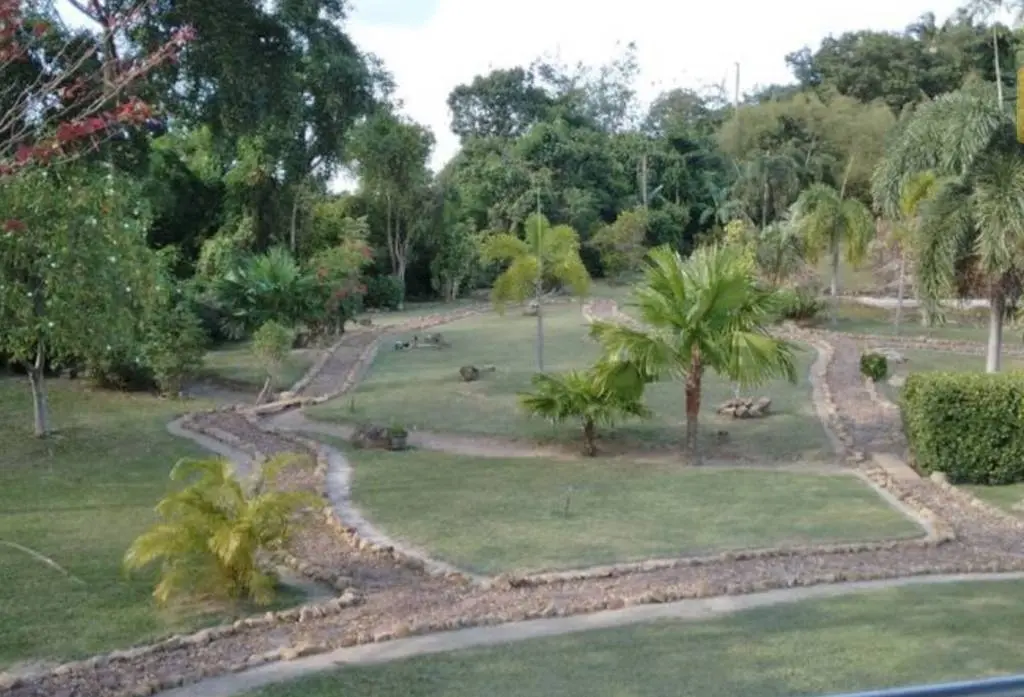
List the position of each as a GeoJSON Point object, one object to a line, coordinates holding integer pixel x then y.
{"type": "Point", "coordinates": [174, 347]}
{"type": "Point", "coordinates": [967, 425]}
{"type": "Point", "coordinates": [799, 304]}
{"type": "Point", "coordinates": [874, 366]}
{"type": "Point", "coordinates": [384, 293]}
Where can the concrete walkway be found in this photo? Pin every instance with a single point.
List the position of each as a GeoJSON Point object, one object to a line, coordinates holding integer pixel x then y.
{"type": "Point", "coordinates": [685, 610]}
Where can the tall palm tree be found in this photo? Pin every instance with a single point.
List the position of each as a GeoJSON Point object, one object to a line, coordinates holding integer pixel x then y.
{"type": "Point", "coordinates": [704, 312]}
{"type": "Point", "coordinates": [547, 253]}
{"type": "Point", "coordinates": [829, 222]}
{"type": "Point", "coordinates": [915, 192]}
{"type": "Point", "coordinates": [990, 11]}
{"type": "Point", "coordinates": [972, 231]}
{"type": "Point", "coordinates": [585, 395]}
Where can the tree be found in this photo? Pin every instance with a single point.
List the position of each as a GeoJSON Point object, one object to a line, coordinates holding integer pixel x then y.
{"type": "Point", "coordinates": [214, 529]}
{"type": "Point", "coordinates": [456, 249]}
{"type": "Point", "coordinates": [704, 312]}
{"type": "Point", "coordinates": [915, 193]}
{"type": "Point", "coordinates": [583, 395]}
{"type": "Point", "coordinates": [264, 287]}
{"type": "Point", "coordinates": [503, 104]}
{"type": "Point", "coordinates": [391, 160]}
{"type": "Point", "coordinates": [621, 244]}
{"type": "Point", "coordinates": [271, 344]}
{"type": "Point", "coordinates": [971, 235]}
{"type": "Point", "coordinates": [828, 222]}
{"type": "Point", "coordinates": [73, 260]}
{"type": "Point", "coordinates": [779, 252]}
{"type": "Point", "coordinates": [546, 254]}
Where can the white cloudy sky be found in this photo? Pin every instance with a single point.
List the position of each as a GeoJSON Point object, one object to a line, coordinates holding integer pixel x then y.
{"type": "Point", "coordinates": [433, 45]}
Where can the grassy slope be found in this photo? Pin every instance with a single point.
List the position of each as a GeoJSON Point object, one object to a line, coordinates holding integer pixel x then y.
{"type": "Point", "coordinates": [82, 506]}
{"type": "Point", "coordinates": [502, 515]}
{"type": "Point", "coordinates": [236, 364]}
{"type": "Point", "coordinates": [884, 639]}
{"type": "Point", "coordinates": [409, 386]}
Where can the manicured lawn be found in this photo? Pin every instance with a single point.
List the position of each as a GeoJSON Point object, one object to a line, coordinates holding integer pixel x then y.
{"type": "Point", "coordinates": [81, 505]}
{"type": "Point", "coordinates": [235, 364]}
{"type": "Point", "coordinates": [944, 361]}
{"type": "Point", "coordinates": [961, 325]}
{"type": "Point", "coordinates": [410, 387]}
{"type": "Point", "coordinates": [859, 642]}
{"type": "Point", "coordinates": [492, 515]}
{"type": "Point", "coordinates": [1005, 497]}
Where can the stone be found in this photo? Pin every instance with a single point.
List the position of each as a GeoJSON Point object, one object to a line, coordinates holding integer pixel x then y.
{"type": "Point", "coordinates": [301, 651]}
{"type": "Point", "coordinates": [469, 373]}
{"type": "Point", "coordinates": [897, 380]}
{"type": "Point", "coordinates": [371, 436]}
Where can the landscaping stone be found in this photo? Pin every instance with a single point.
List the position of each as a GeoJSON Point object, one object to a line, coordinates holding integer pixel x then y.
{"type": "Point", "coordinates": [469, 373]}
{"type": "Point", "coordinates": [746, 408]}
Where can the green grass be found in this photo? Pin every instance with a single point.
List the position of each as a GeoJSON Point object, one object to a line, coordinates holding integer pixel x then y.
{"type": "Point", "coordinates": [491, 515]}
{"type": "Point", "coordinates": [1005, 497]}
{"type": "Point", "coordinates": [960, 325]}
{"type": "Point", "coordinates": [82, 505]}
{"type": "Point", "coordinates": [408, 387]}
{"type": "Point", "coordinates": [235, 364]}
{"type": "Point", "coordinates": [919, 361]}
{"type": "Point", "coordinates": [891, 638]}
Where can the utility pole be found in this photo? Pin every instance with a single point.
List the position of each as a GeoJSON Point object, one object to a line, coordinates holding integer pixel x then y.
{"type": "Point", "coordinates": [539, 286]}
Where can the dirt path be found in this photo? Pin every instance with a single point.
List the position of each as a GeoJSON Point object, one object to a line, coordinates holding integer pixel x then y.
{"type": "Point", "coordinates": [391, 596]}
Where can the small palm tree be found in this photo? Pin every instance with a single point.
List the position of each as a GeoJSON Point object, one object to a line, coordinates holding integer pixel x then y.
{"type": "Point", "coordinates": [915, 192]}
{"type": "Point", "coordinates": [546, 253]}
{"type": "Point", "coordinates": [780, 252]}
{"type": "Point", "coordinates": [829, 222]}
{"type": "Point", "coordinates": [705, 312]}
{"type": "Point", "coordinates": [586, 395]}
{"type": "Point", "coordinates": [213, 530]}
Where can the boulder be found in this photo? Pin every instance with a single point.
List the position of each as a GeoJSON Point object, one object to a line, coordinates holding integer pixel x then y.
{"type": "Point", "coordinates": [745, 407]}
{"type": "Point", "coordinates": [371, 436]}
{"type": "Point", "coordinates": [469, 373]}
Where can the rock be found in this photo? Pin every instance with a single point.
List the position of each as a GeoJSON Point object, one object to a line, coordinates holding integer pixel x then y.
{"type": "Point", "coordinates": [897, 380]}
{"type": "Point", "coordinates": [301, 651]}
{"type": "Point", "coordinates": [939, 478]}
{"type": "Point", "coordinates": [469, 373]}
{"type": "Point", "coordinates": [371, 436]}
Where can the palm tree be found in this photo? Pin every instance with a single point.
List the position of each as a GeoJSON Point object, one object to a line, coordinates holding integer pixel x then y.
{"type": "Point", "coordinates": [779, 252]}
{"type": "Point", "coordinates": [829, 222]}
{"type": "Point", "coordinates": [989, 11]}
{"type": "Point", "coordinates": [547, 253]}
{"type": "Point", "coordinates": [971, 232]}
{"type": "Point", "coordinates": [705, 312]}
{"type": "Point", "coordinates": [213, 530]}
{"type": "Point", "coordinates": [585, 395]}
{"type": "Point", "coordinates": [917, 190]}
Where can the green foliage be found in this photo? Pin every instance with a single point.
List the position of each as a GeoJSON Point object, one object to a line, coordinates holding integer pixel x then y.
{"type": "Point", "coordinates": [338, 279]}
{"type": "Point", "coordinates": [874, 366]}
{"type": "Point", "coordinates": [799, 304]}
{"type": "Point", "coordinates": [621, 244]}
{"type": "Point", "coordinates": [779, 252]}
{"type": "Point", "coordinates": [174, 345]}
{"type": "Point", "coordinates": [213, 531]}
{"type": "Point", "coordinates": [583, 395]}
{"type": "Point", "coordinates": [457, 249]}
{"type": "Point", "coordinates": [271, 344]}
{"type": "Point", "coordinates": [271, 286]}
{"type": "Point", "coordinates": [384, 292]}
{"type": "Point", "coordinates": [966, 425]}
{"type": "Point", "coordinates": [704, 312]}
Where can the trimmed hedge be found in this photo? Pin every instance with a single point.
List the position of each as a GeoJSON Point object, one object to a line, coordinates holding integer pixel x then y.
{"type": "Point", "coordinates": [968, 425]}
{"type": "Point", "coordinates": [874, 366]}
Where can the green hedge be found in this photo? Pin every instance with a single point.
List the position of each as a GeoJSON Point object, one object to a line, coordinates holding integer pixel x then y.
{"type": "Point", "coordinates": [968, 425]}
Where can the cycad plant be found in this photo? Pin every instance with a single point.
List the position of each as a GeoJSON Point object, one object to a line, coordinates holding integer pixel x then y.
{"type": "Point", "coordinates": [586, 395]}
{"type": "Point", "coordinates": [704, 312]}
{"type": "Point", "coordinates": [213, 529]}
{"type": "Point", "coordinates": [264, 287]}
{"type": "Point", "coordinates": [546, 253]}
{"type": "Point", "coordinates": [971, 233]}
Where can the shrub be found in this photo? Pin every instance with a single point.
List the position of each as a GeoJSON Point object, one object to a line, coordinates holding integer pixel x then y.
{"type": "Point", "coordinates": [213, 531]}
{"type": "Point", "coordinates": [967, 425]}
{"type": "Point", "coordinates": [874, 366]}
{"type": "Point", "coordinates": [384, 292]}
{"type": "Point", "coordinates": [174, 347]}
{"type": "Point", "coordinates": [799, 304]}
{"type": "Point", "coordinates": [271, 344]}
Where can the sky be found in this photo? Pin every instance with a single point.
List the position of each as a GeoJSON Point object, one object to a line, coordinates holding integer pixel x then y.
{"type": "Point", "coordinates": [431, 46]}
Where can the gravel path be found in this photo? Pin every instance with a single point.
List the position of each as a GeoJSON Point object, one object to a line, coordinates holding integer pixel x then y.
{"type": "Point", "coordinates": [389, 596]}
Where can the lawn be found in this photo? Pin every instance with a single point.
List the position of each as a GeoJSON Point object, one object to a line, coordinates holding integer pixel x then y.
{"type": "Point", "coordinates": [235, 364]}
{"type": "Point", "coordinates": [81, 505]}
{"type": "Point", "coordinates": [960, 325]}
{"type": "Point", "coordinates": [919, 361]}
{"type": "Point", "coordinates": [491, 515]}
{"type": "Point", "coordinates": [916, 635]}
{"type": "Point", "coordinates": [408, 387]}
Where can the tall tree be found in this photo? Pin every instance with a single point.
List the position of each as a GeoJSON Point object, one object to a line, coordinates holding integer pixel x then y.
{"type": "Point", "coordinates": [546, 254]}
{"type": "Point", "coordinates": [914, 195]}
{"type": "Point", "coordinates": [503, 104]}
{"type": "Point", "coordinates": [704, 312]}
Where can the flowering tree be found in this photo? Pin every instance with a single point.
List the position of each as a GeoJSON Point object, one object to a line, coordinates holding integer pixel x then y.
{"type": "Point", "coordinates": [64, 91]}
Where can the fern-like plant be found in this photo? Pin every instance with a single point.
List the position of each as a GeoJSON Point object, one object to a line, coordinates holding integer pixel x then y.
{"type": "Point", "coordinates": [213, 530]}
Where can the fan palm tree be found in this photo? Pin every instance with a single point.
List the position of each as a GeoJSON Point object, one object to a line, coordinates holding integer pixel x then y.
{"type": "Point", "coordinates": [213, 530]}
{"type": "Point", "coordinates": [547, 253]}
{"type": "Point", "coordinates": [829, 222]}
{"type": "Point", "coordinates": [705, 312]}
{"type": "Point", "coordinates": [779, 252]}
{"type": "Point", "coordinates": [971, 233]}
{"type": "Point", "coordinates": [916, 191]}
{"type": "Point", "coordinates": [585, 395]}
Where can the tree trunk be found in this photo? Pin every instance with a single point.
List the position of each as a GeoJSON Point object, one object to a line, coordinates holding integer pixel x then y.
{"type": "Point", "coordinates": [263, 392]}
{"type": "Point", "coordinates": [835, 281]}
{"type": "Point", "coordinates": [999, 74]}
{"type": "Point", "coordinates": [899, 290]}
{"type": "Point", "coordinates": [540, 334]}
{"type": "Point", "coordinates": [997, 307]}
{"type": "Point", "coordinates": [693, 389]}
{"type": "Point", "coordinates": [589, 438]}
{"type": "Point", "coordinates": [36, 375]}
{"type": "Point", "coordinates": [295, 218]}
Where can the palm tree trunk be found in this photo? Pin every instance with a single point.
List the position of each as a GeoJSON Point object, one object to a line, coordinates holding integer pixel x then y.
{"type": "Point", "coordinates": [997, 307]}
{"type": "Point", "coordinates": [835, 281]}
{"type": "Point", "coordinates": [36, 374]}
{"type": "Point", "coordinates": [999, 74]}
{"type": "Point", "coordinates": [589, 438]}
{"type": "Point", "coordinates": [540, 336]}
{"type": "Point", "coordinates": [693, 390]}
{"type": "Point", "coordinates": [899, 290]}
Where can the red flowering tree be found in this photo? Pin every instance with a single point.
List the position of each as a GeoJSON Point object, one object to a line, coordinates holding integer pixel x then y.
{"type": "Point", "coordinates": [64, 91]}
{"type": "Point", "coordinates": [338, 271]}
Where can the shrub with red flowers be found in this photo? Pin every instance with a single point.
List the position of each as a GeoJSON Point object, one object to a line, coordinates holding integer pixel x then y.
{"type": "Point", "coordinates": [338, 271]}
